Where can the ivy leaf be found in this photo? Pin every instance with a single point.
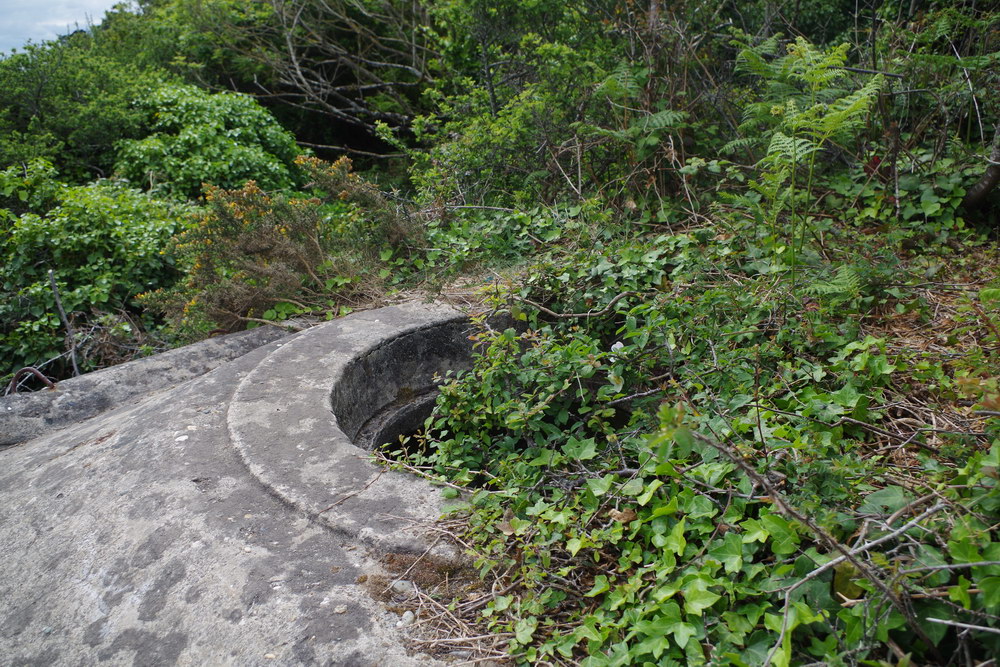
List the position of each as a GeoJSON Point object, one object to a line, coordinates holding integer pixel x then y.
{"type": "Point", "coordinates": [654, 644]}
{"type": "Point", "coordinates": [990, 586]}
{"type": "Point", "coordinates": [675, 541]}
{"type": "Point", "coordinates": [544, 458]}
{"type": "Point", "coordinates": [668, 509]}
{"type": "Point", "coordinates": [668, 622]}
{"type": "Point", "coordinates": [784, 539]}
{"type": "Point", "coordinates": [729, 552]}
{"type": "Point", "coordinates": [600, 485]}
{"type": "Point", "coordinates": [886, 500]}
{"type": "Point", "coordinates": [601, 585]}
{"type": "Point", "coordinates": [588, 631]}
{"type": "Point", "coordinates": [963, 550]}
{"type": "Point", "coordinates": [665, 592]}
{"type": "Point", "coordinates": [960, 593]}
{"type": "Point", "coordinates": [573, 545]}
{"type": "Point", "coordinates": [754, 531]}
{"type": "Point", "coordinates": [682, 633]}
{"type": "Point", "coordinates": [698, 598]}
{"type": "Point", "coordinates": [847, 396]}
{"type": "Point", "coordinates": [685, 442]}
{"type": "Point", "coordinates": [648, 493]}
{"type": "Point", "coordinates": [929, 556]}
{"type": "Point", "coordinates": [580, 450]}
{"type": "Point", "coordinates": [524, 629]}
{"type": "Point", "coordinates": [633, 487]}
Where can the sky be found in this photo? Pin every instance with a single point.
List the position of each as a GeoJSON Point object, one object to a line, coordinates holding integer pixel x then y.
{"type": "Point", "coordinates": [40, 20]}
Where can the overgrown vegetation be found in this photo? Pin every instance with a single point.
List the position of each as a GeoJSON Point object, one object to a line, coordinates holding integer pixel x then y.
{"type": "Point", "coordinates": [736, 385]}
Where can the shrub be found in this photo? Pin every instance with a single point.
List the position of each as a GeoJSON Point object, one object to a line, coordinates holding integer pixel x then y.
{"type": "Point", "coordinates": [103, 243]}
{"type": "Point", "coordinates": [69, 105]}
{"type": "Point", "coordinates": [224, 139]}
{"type": "Point", "coordinates": [254, 256]}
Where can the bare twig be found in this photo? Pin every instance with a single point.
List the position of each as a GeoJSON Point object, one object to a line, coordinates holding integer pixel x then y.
{"type": "Point", "coordinates": [354, 493]}
{"type": "Point", "coordinates": [70, 336]}
{"type": "Point", "coordinates": [951, 566]}
{"type": "Point", "coordinates": [598, 313]}
{"type": "Point", "coordinates": [967, 626]}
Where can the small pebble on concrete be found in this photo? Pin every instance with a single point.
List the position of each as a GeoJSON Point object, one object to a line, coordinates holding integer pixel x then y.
{"type": "Point", "coordinates": [403, 587]}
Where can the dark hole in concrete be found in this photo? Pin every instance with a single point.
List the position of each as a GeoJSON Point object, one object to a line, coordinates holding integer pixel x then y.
{"type": "Point", "coordinates": [393, 429]}
{"type": "Point", "coordinates": [389, 391]}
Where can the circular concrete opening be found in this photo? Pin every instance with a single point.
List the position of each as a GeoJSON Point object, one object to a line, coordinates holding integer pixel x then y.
{"type": "Point", "coordinates": [389, 391]}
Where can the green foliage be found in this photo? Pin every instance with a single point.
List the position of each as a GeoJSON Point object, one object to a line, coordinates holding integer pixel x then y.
{"type": "Point", "coordinates": [252, 256]}
{"type": "Point", "coordinates": [222, 139]}
{"type": "Point", "coordinates": [494, 156]}
{"type": "Point", "coordinates": [102, 242]}
{"type": "Point", "coordinates": [948, 57]}
{"type": "Point", "coordinates": [668, 446]}
{"type": "Point", "coordinates": [923, 203]}
{"type": "Point", "coordinates": [69, 103]}
{"type": "Point", "coordinates": [184, 38]}
{"type": "Point", "coordinates": [802, 110]}
{"type": "Point", "coordinates": [635, 534]}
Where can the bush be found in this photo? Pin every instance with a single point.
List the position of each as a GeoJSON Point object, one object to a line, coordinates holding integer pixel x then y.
{"type": "Point", "coordinates": [224, 139]}
{"type": "Point", "coordinates": [254, 256]}
{"type": "Point", "coordinates": [103, 243]}
{"type": "Point", "coordinates": [69, 105]}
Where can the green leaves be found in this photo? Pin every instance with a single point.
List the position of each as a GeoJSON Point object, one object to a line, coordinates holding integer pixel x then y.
{"type": "Point", "coordinates": [673, 541]}
{"type": "Point", "coordinates": [223, 139]}
{"type": "Point", "coordinates": [601, 585]}
{"type": "Point", "coordinates": [697, 597]}
{"type": "Point", "coordinates": [887, 500]}
{"type": "Point", "coordinates": [580, 450]}
{"type": "Point", "coordinates": [784, 538]}
{"type": "Point", "coordinates": [524, 629]}
{"type": "Point", "coordinates": [105, 244]}
{"type": "Point", "coordinates": [601, 485]}
{"type": "Point", "coordinates": [729, 552]}
{"type": "Point", "coordinates": [668, 622]}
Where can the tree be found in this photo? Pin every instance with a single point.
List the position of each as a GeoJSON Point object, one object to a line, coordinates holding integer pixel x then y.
{"type": "Point", "coordinates": [355, 61]}
{"type": "Point", "coordinates": [68, 103]}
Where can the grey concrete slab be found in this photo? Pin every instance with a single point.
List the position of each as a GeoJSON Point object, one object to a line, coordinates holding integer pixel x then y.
{"type": "Point", "coordinates": [201, 524]}
{"type": "Point", "coordinates": [26, 416]}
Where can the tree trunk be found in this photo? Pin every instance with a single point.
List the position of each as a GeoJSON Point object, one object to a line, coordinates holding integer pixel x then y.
{"type": "Point", "coordinates": [654, 16]}
{"type": "Point", "coordinates": [976, 195]}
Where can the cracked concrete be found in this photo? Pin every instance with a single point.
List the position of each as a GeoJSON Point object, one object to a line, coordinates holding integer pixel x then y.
{"type": "Point", "coordinates": [226, 519]}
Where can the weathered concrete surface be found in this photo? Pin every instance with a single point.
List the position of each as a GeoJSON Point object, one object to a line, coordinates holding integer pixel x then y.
{"type": "Point", "coordinates": [301, 449]}
{"type": "Point", "coordinates": [142, 537]}
{"type": "Point", "coordinates": [25, 416]}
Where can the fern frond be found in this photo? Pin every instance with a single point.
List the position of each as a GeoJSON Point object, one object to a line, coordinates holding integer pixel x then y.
{"type": "Point", "coordinates": [844, 286]}
{"type": "Point", "coordinates": [753, 59]}
{"type": "Point", "coordinates": [660, 120]}
{"type": "Point", "coordinates": [739, 199]}
{"type": "Point", "coordinates": [850, 109]}
{"type": "Point", "coordinates": [789, 148]}
{"type": "Point", "coordinates": [621, 84]}
{"type": "Point", "coordinates": [739, 144]}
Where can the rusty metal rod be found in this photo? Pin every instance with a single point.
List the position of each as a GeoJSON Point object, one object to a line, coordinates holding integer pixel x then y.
{"type": "Point", "coordinates": [28, 370]}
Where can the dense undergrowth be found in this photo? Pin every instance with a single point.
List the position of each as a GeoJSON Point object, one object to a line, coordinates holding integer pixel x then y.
{"type": "Point", "coordinates": [736, 381]}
